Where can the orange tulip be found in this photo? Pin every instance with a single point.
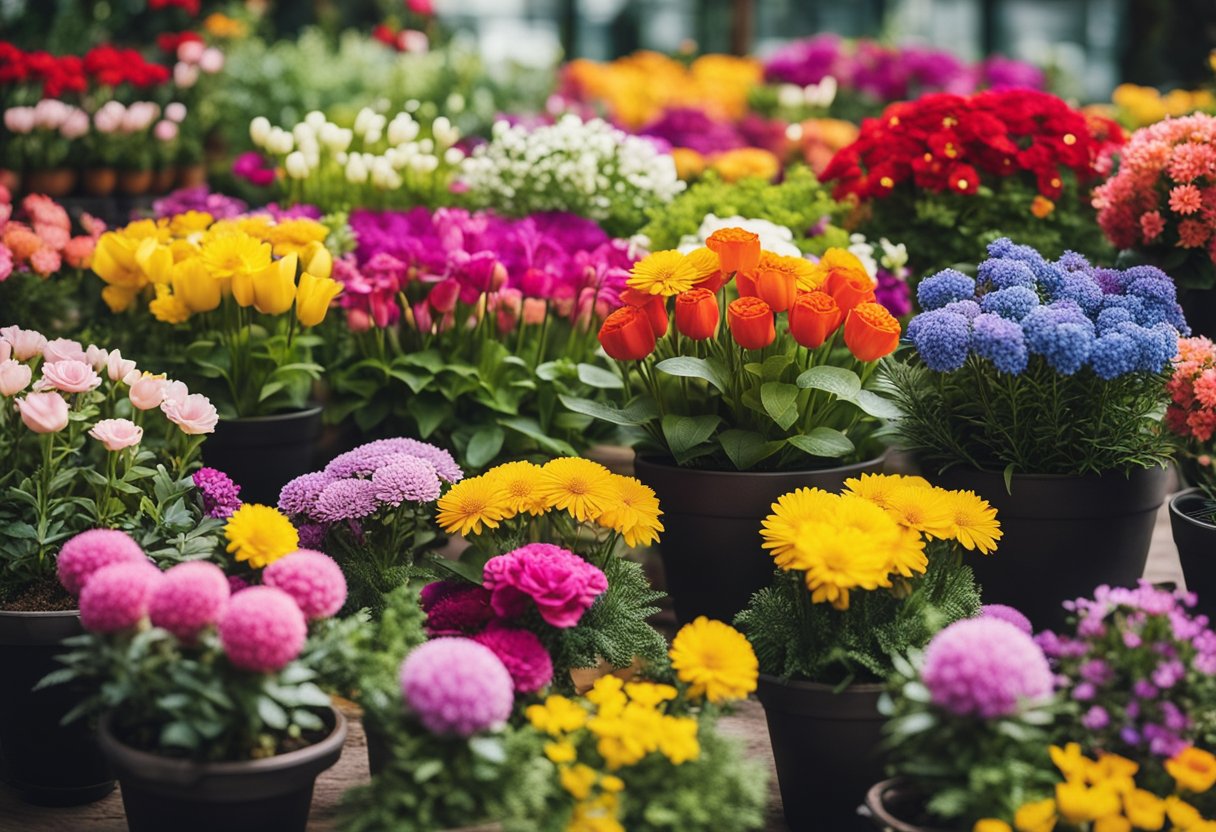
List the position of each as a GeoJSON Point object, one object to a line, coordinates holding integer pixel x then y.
{"type": "Point", "coordinates": [709, 273]}
{"type": "Point", "coordinates": [776, 287]}
{"type": "Point", "coordinates": [655, 307]}
{"type": "Point", "coordinates": [751, 323]}
{"type": "Point", "coordinates": [746, 285]}
{"type": "Point", "coordinates": [850, 288]}
{"type": "Point", "coordinates": [737, 250]}
{"type": "Point", "coordinates": [697, 314]}
{"type": "Point", "coordinates": [627, 335]}
{"type": "Point", "coordinates": [870, 331]}
{"type": "Point", "coordinates": [813, 317]}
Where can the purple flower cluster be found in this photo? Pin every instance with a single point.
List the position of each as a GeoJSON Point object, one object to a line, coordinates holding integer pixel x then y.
{"type": "Point", "coordinates": [692, 127]}
{"type": "Point", "coordinates": [1139, 664]}
{"type": "Point", "coordinates": [200, 198]}
{"type": "Point", "coordinates": [887, 74]}
{"type": "Point", "coordinates": [1069, 313]}
{"type": "Point", "coordinates": [221, 496]}
{"type": "Point", "coordinates": [985, 667]}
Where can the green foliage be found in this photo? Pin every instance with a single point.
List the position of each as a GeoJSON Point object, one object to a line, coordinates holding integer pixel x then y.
{"type": "Point", "coordinates": [799, 202]}
{"type": "Point", "coordinates": [794, 638]}
{"type": "Point", "coordinates": [1037, 422]}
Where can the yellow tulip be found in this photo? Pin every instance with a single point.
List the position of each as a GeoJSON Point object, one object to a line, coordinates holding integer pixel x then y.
{"type": "Point", "coordinates": [118, 298]}
{"type": "Point", "coordinates": [274, 288]}
{"type": "Point", "coordinates": [314, 296]}
{"type": "Point", "coordinates": [114, 262]}
{"type": "Point", "coordinates": [317, 260]}
{"type": "Point", "coordinates": [198, 290]}
{"type": "Point", "coordinates": [1078, 803]}
{"type": "Point", "coordinates": [1113, 823]}
{"type": "Point", "coordinates": [168, 308]}
{"type": "Point", "coordinates": [155, 260]}
{"type": "Point", "coordinates": [1039, 816]}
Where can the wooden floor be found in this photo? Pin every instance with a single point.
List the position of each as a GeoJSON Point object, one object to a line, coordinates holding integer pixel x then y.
{"type": "Point", "coordinates": [747, 724]}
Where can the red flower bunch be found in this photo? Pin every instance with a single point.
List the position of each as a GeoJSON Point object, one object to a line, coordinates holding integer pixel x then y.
{"type": "Point", "coordinates": [111, 67]}
{"type": "Point", "coordinates": [945, 142]}
{"type": "Point", "coordinates": [168, 42]}
{"type": "Point", "coordinates": [190, 7]}
{"type": "Point", "coordinates": [57, 75]}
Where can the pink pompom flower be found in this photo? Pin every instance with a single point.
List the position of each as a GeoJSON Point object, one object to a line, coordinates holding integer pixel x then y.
{"type": "Point", "coordinates": [522, 654]}
{"type": "Point", "coordinates": [1007, 613]}
{"type": "Point", "coordinates": [456, 686]}
{"type": "Point", "coordinates": [262, 630]}
{"type": "Point", "coordinates": [86, 553]}
{"type": "Point", "coordinates": [985, 667]}
{"type": "Point", "coordinates": [313, 580]}
{"type": "Point", "coordinates": [561, 584]}
{"type": "Point", "coordinates": [116, 596]}
{"type": "Point", "coordinates": [190, 598]}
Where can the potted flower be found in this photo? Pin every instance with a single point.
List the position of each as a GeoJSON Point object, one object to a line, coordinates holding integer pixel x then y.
{"type": "Point", "coordinates": [104, 149]}
{"type": "Point", "coordinates": [861, 577]}
{"type": "Point", "coordinates": [1192, 418]}
{"type": "Point", "coordinates": [1039, 385]}
{"type": "Point", "coordinates": [72, 434]}
{"type": "Point", "coordinates": [740, 401]}
{"type": "Point", "coordinates": [464, 328]}
{"type": "Point", "coordinates": [208, 707]}
{"type": "Point", "coordinates": [967, 723]}
{"type": "Point", "coordinates": [235, 300]}
{"type": "Point", "coordinates": [136, 163]}
{"type": "Point", "coordinates": [42, 138]}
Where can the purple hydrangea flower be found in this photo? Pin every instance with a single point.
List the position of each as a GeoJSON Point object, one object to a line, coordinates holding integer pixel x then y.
{"type": "Point", "coordinates": [221, 496]}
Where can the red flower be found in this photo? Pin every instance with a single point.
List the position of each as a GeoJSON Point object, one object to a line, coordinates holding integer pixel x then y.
{"type": "Point", "coordinates": [170, 41]}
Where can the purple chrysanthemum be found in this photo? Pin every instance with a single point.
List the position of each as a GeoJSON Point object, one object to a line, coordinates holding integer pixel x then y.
{"type": "Point", "coordinates": [456, 686]}
{"type": "Point", "coordinates": [312, 535]}
{"type": "Point", "coordinates": [366, 459]}
{"type": "Point", "coordinates": [406, 478]}
{"type": "Point", "coordinates": [522, 654]}
{"type": "Point", "coordinates": [985, 667]}
{"type": "Point", "coordinates": [345, 500]}
{"type": "Point", "coordinates": [299, 496]}
{"type": "Point", "coordinates": [221, 496]}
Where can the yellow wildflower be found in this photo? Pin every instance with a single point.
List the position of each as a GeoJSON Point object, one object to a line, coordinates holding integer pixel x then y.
{"type": "Point", "coordinates": [715, 660]}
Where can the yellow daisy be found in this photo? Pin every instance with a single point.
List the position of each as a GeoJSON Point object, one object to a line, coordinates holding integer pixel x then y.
{"type": "Point", "coordinates": [578, 486]}
{"type": "Point", "coordinates": [185, 224]}
{"type": "Point", "coordinates": [973, 522]}
{"type": "Point", "coordinates": [260, 535]}
{"type": "Point", "coordinates": [517, 481]}
{"type": "Point", "coordinates": [294, 236]}
{"type": "Point", "coordinates": [471, 504]}
{"type": "Point", "coordinates": [780, 530]}
{"type": "Point", "coordinates": [664, 273]}
{"type": "Point", "coordinates": [926, 510]}
{"type": "Point", "coordinates": [715, 660]}
{"type": "Point", "coordinates": [837, 560]}
{"type": "Point", "coordinates": [634, 511]}
{"type": "Point", "coordinates": [705, 262]}
{"type": "Point", "coordinates": [235, 254]}
{"type": "Point", "coordinates": [877, 488]}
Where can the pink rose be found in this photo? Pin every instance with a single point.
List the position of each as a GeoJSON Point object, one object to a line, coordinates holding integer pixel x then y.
{"type": "Point", "coordinates": [53, 235]}
{"type": "Point", "coordinates": [185, 75]}
{"type": "Point", "coordinates": [117, 434]}
{"type": "Point", "coordinates": [211, 61]}
{"type": "Point", "coordinates": [194, 414]}
{"type": "Point", "coordinates": [71, 376]}
{"type": "Point", "coordinates": [117, 367]}
{"type": "Point", "coordinates": [96, 357]}
{"type": "Point", "coordinates": [44, 412]}
{"type": "Point", "coordinates": [176, 112]}
{"type": "Point", "coordinates": [26, 342]}
{"type": "Point", "coordinates": [14, 377]}
{"type": "Point", "coordinates": [148, 391]}
{"type": "Point", "coordinates": [559, 582]}
{"type": "Point", "coordinates": [165, 131]}
{"type": "Point", "coordinates": [190, 51]}
{"type": "Point", "coordinates": [175, 391]}
{"type": "Point", "coordinates": [20, 119]}
{"type": "Point", "coordinates": [75, 125]}
{"type": "Point", "coordinates": [63, 349]}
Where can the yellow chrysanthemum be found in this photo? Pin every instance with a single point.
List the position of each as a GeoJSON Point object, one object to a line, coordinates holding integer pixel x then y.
{"type": "Point", "coordinates": [260, 535]}
{"type": "Point", "coordinates": [578, 486]}
{"type": "Point", "coordinates": [1193, 769]}
{"type": "Point", "coordinates": [780, 529]}
{"type": "Point", "coordinates": [927, 510]}
{"type": "Point", "coordinates": [663, 273]}
{"type": "Point", "coordinates": [650, 694]}
{"type": "Point", "coordinates": [167, 307]}
{"type": "Point", "coordinates": [1039, 816]}
{"type": "Point", "coordinates": [557, 716]}
{"type": "Point", "coordinates": [633, 511]}
{"type": "Point", "coordinates": [715, 660]}
{"type": "Point", "coordinates": [877, 488]}
{"type": "Point", "coordinates": [294, 236]}
{"type": "Point", "coordinates": [973, 522]}
{"type": "Point", "coordinates": [598, 815]}
{"type": "Point", "coordinates": [1077, 802]}
{"type": "Point", "coordinates": [839, 559]}
{"type": "Point", "coordinates": [471, 504]}
{"type": "Point", "coordinates": [805, 275]}
{"type": "Point", "coordinates": [235, 254]}
{"type": "Point", "coordinates": [578, 780]}
{"type": "Point", "coordinates": [677, 739]}
{"type": "Point", "coordinates": [255, 225]}
{"type": "Point", "coordinates": [560, 752]}
{"type": "Point", "coordinates": [608, 696]}
{"type": "Point", "coordinates": [625, 738]}
{"type": "Point", "coordinates": [518, 483]}
{"type": "Point", "coordinates": [190, 222]}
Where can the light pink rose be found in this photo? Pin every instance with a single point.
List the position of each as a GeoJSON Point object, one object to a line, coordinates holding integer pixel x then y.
{"type": "Point", "coordinates": [190, 51]}
{"type": "Point", "coordinates": [96, 357]}
{"type": "Point", "coordinates": [63, 349]}
{"type": "Point", "coordinates": [185, 75]}
{"type": "Point", "coordinates": [75, 125]}
{"type": "Point", "coordinates": [117, 434]}
{"type": "Point", "coordinates": [50, 113]}
{"type": "Point", "coordinates": [26, 342]}
{"type": "Point", "coordinates": [194, 415]}
{"type": "Point", "coordinates": [14, 377]}
{"type": "Point", "coordinates": [44, 412]}
{"type": "Point", "coordinates": [211, 61]}
{"type": "Point", "coordinates": [71, 376]}
{"type": "Point", "coordinates": [19, 119]}
{"type": "Point", "coordinates": [175, 391]}
{"type": "Point", "coordinates": [117, 367]}
{"type": "Point", "coordinates": [165, 130]}
{"type": "Point", "coordinates": [175, 112]}
{"type": "Point", "coordinates": [108, 121]}
{"type": "Point", "coordinates": [147, 392]}
{"type": "Point", "coordinates": [6, 350]}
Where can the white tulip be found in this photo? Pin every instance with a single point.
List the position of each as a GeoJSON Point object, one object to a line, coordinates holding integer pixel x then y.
{"type": "Point", "coordinates": [372, 135]}
{"type": "Point", "coordinates": [297, 165]}
{"type": "Point", "coordinates": [303, 133]}
{"type": "Point", "coordinates": [453, 155]}
{"type": "Point", "coordinates": [363, 120]}
{"type": "Point", "coordinates": [315, 119]}
{"type": "Point", "coordinates": [356, 170]}
{"type": "Point", "coordinates": [259, 130]}
{"type": "Point", "coordinates": [280, 142]}
{"type": "Point", "coordinates": [402, 129]}
{"type": "Point", "coordinates": [445, 133]}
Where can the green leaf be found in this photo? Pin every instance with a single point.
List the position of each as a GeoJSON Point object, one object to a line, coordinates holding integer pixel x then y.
{"type": "Point", "coordinates": [780, 401]}
{"type": "Point", "coordinates": [746, 448]}
{"type": "Point", "coordinates": [823, 441]}
{"type": "Point", "coordinates": [529, 428]}
{"type": "Point", "coordinates": [774, 367]}
{"type": "Point", "coordinates": [180, 735]}
{"type": "Point", "coordinates": [460, 569]}
{"type": "Point", "coordinates": [272, 713]}
{"type": "Point", "coordinates": [687, 366]}
{"type": "Point", "coordinates": [685, 433]}
{"type": "Point", "coordinates": [877, 406]}
{"type": "Point", "coordinates": [427, 771]}
{"type": "Point", "coordinates": [429, 412]}
{"type": "Point", "coordinates": [427, 359]}
{"type": "Point", "coordinates": [484, 445]}
{"type": "Point", "coordinates": [636, 413]}
{"type": "Point", "coordinates": [840, 382]}
{"type": "Point", "coordinates": [594, 376]}
{"type": "Point", "coordinates": [488, 748]}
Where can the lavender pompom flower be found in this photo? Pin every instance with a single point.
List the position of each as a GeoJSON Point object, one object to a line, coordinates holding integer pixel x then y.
{"type": "Point", "coordinates": [985, 667]}
{"type": "Point", "coordinates": [456, 686]}
{"type": "Point", "coordinates": [221, 496]}
{"type": "Point", "coordinates": [348, 499]}
{"type": "Point", "coordinates": [408, 478]}
{"type": "Point", "coordinates": [299, 496]}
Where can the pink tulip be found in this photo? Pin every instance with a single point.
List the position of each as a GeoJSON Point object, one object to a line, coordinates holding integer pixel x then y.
{"type": "Point", "coordinates": [194, 415]}
{"type": "Point", "coordinates": [423, 7]}
{"type": "Point", "coordinates": [19, 119]}
{"type": "Point", "coordinates": [190, 51]}
{"type": "Point", "coordinates": [63, 349]}
{"type": "Point", "coordinates": [6, 350]}
{"type": "Point", "coordinates": [44, 412]}
{"type": "Point", "coordinates": [211, 61]}
{"type": "Point", "coordinates": [71, 376]}
{"type": "Point", "coordinates": [14, 377]}
{"type": "Point", "coordinates": [443, 295]}
{"type": "Point", "coordinates": [422, 317]}
{"type": "Point", "coordinates": [96, 356]}
{"type": "Point", "coordinates": [117, 367]}
{"type": "Point", "coordinates": [26, 342]}
{"type": "Point", "coordinates": [357, 320]}
{"type": "Point", "coordinates": [535, 310]}
{"type": "Point", "coordinates": [117, 434]}
{"type": "Point", "coordinates": [148, 391]}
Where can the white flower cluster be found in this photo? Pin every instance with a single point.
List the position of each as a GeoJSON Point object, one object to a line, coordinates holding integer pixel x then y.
{"type": "Point", "coordinates": [584, 167]}
{"type": "Point", "coordinates": [819, 96]}
{"type": "Point", "coordinates": [775, 238]}
{"type": "Point", "coordinates": [894, 258]}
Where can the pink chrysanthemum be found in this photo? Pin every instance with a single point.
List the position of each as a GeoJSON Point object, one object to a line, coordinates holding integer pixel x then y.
{"type": "Point", "coordinates": [455, 608]}
{"type": "Point", "coordinates": [83, 555]}
{"type": "Point", "coordinates": [522, 654]}
{"type": "Point", "coordinates": [348, 499]}
{"type": "Point", "coordinates": [300, 495]}
{"type": "Point", "coordinates": [262, 629]}
{"type": "Point", "coordinates": [562, 584]}
{"type": "Point", "coordinates": [313, 580]}
{"type": "Point", "coordinates": [406, 478]}
{"type": "Point", "coordinates": [116, 596]}
{"type": "Point", "coordinates": [456, 686]}
{"type": "Point", "coordinates": [1007, 613]}
{"type": "Point", "coordinates": [985, 667]}
{"type": "Point", "coordinates": [190, 598]}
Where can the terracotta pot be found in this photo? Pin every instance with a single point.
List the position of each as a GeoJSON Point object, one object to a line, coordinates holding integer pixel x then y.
{"type": "Point", "coordinates": [10, 179]}
{"type": "Point", "coordinates": [1193, 522]}
{"type": "Point", "coordinates": [161, 793]}
{"type": "Point", "coordinates": [57, 182]}
{"type": "Point", "coordinates": [890, 802]}
{"type": "Point", "coordinates": [134, 182]}
{"type": "Point", "coordinates": [163, 180]}
{"type": "Point", "coordinates": [100, 181]}
{"type": "Point", "coordinates": [191, 176]}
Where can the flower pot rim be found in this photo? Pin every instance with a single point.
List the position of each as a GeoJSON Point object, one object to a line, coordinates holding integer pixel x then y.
{"type": "Point", "coordinates": [1030, 477]}
{"type": "Point", "coordinates": [290, 415]}
{"type": "Point", "coordinates": [72, 613]}
{"type": "Point", "coordinates": [822, 687]}
{"type": "Point", "coordinates": [658, 462]}
{"type": "Point", "coordinates": [876, 804]}
{"type": "Point", "coordinates": [1176, 513]}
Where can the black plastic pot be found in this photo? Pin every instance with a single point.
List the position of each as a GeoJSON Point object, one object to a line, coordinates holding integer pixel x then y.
{"type": "Point", "coordinates": [828, 750]}
{"type": "Point", "coordinates": [47, 763]}
{"type": "Point", "coordinates": [1063, 536]}
{"type": "Point", "coordinates": [378, 751]}
{"type": "Point", "coordinates": [888, 804]}
{"type": "Point", "coordinates": [162, 793]}
{"type": "Point", "coordinates": [710, 545]}
{"type": "Point", "coordinates": [262, 453]}
{"type": "Point", "coordinates": [1193, 520]}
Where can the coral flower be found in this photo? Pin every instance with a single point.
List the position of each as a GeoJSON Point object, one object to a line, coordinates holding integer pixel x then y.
{"type": "Point", "coordinates": [715, 660]}
{"type": "Point", "coordinates": [751, 323]}
{"type": "Point", "coordinates": [738, 250]}
{"type": "Point", "coordinates": [260, 535]}
{"type": "Point", "coordinates": [871, 331]}
{"type": "Point", "coordinates": [697, 313]}
{"type": "Point", "coordinates": [813, 317]}
{"type": "Point", "coordinates": [578, 486]}
{"type": "Point", "coordinates": [664, 273]}
{"type": "Point", "coordinates": [627, 334]}
{"type": "Point", "coordinates": [471, 504]}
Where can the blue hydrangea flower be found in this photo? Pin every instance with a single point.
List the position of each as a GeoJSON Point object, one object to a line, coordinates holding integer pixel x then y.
{"type": "Point", "coordinates": [1013, 303]}
{"type": "Point", "coordinates": [1114, 354]}
{"type": "Point", "coordinates": [1156, 346]}
{"type": "Point", "coordinates": [1008, 249]}
{"type": "Point", "coordinates": [1150, 283]}
{"type": "Point", "coordinates": [942, 288]}
{"type": "Point", "coordinates": [1112, 281]}
{"type": "Point", "coordinates": [1004, 274]}
{"type": "Point", "coordinates": [942, 339]}
{"type": "Point", "coordinates": [1084, 290]}
{"type": "Point", "coordinates": [1001, 341]}
{"type": "Point", "coordinates": [1110, 318]}
{"type": "Point", "coordinates": [1070, 261]}
{"type": "Point", "coordinates": [967, 308]}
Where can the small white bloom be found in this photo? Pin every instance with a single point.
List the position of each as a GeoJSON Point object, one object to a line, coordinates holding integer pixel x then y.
{"type": "Point", "coordinates": [296, 165]}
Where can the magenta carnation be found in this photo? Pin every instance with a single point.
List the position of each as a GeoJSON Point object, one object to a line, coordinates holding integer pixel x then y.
{"type": "Point", "coordinates": [262, 629]}
{"type": "Point", "coordinates": [456, 686]}
{"type": "Point", "coordinates": [190, 598]}
{"type": "Point", "coordinates": [562, 584]}
{"type": "Point", "coordinates": [1010, 614]}
{"type": "Point", "coordinates": [90, 551]}
{"type": "Point", "coordinates": [313, 580]}
{"type": "Point", "coordinates": [116, 596]}
{"type": "Point", "coordinates": [522, 654]}
{"type": "Point", "coordinates": [455, 608]}
{"type": "Point", "coordinates": [985, 667]}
